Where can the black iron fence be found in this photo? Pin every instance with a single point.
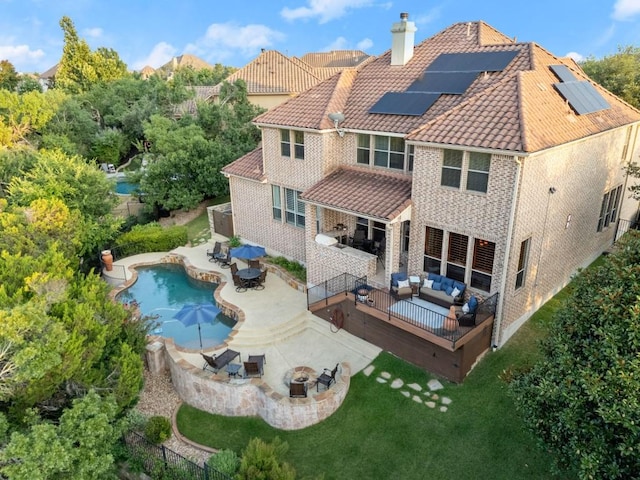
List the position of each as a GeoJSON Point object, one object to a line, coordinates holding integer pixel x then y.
{"type": "Point", "coordinates": [341, 284]}
{"type": "Point", "coordinates": [161, 462]}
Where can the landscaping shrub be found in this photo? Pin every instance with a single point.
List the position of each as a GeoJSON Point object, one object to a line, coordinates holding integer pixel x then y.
{"type": "Point", "coordinates": [225, 461]}
{"type": "Point", "coordinates": [158, 429]}
{"type": "Point", "coordinates": [261, 460]}
{"type": "Point", "coordinates": [234, 241]}
{"type": "Point", "coordinates": [296, 269]}
{"type": "Point", "coordinates": [151, 237]}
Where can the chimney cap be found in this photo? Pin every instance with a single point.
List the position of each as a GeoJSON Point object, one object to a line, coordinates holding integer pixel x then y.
{"type": "Point", "coordinates": [404, 16]}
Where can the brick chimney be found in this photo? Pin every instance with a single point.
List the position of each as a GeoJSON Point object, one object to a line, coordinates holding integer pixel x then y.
{"type": "Point", "coordinates": [402, 39]}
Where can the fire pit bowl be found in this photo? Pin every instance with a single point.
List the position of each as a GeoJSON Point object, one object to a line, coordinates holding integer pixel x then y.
{"type": "Point", "coordinates": [300, 375]}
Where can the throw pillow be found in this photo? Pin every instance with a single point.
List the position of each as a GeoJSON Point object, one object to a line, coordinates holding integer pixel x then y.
{"type": "Point", "coordinates": [435, 277]}
{"type": "Point", "coordinates": [473, 304]}
{"type": "Point", "coordinates": [448, 290]}
{"type": "Point", "coordinates": [455, 292]}
{"type": "Point", "coordinates": [447, 282]}
{"type": "Point", "coordinates": [427, 283]}
{"type": "Point", "coordinates": [403, 283]}
{"type": "Point", "coordinates": [437, 286]}
{"type": "Point", "coordinates": [459, 285]}
{"type": "Point", "coordinates": [465, 308]}
{"type": "Point", "coordinates": [396, 277]}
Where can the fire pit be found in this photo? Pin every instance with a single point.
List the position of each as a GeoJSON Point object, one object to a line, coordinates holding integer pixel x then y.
{"type": "Point", "coordinates": [300, 375]}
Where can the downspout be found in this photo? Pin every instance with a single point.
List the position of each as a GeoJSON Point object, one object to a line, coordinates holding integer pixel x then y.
{"type": "Point", "coordinates": [505, 261]}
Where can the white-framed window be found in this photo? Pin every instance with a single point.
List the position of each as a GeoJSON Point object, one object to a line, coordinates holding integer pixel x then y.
{"type": "Point", "coordinates": [298, 143]}
{"type": "Point", "coordinates": [433, 249]}
{"type": "Point", "coordinates": [609, 208]}
{"type": "Point", "coordinates": [276, 200]}
{"type": "Point", "coordinates": [451, 168]}
{"type": "Point", "coordinates": [523, 262]}
{"type": "Point", "coordinates": [383, 152]}
{"type": "Point", "coordinates": [294, 207]}
{"type": "Point", "coordinates": [411, 151]}
{"type": "Point", "coordinates": [478, 172]}
{"type": "Point", "coordinates": [482, 264]}
{"type": "Point", "coordinates": [476, 165]}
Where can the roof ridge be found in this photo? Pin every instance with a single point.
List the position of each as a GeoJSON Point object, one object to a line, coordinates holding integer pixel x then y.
{"type": "Point", "coordinates": [344, 81]}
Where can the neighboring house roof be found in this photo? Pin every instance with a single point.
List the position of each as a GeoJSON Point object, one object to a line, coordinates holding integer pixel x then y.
{"type": "Point", "coordinates": [51, 73]}
{"type": "Point", "coordinates": [147, 71]}
{"type": "Point", "coordinates": [335, 58]}
{"type": "Point", "coordinates": [375, 194]}
{"type": "Point", "coordinates": [274, 73]}
{"type": "Point", "coordinates": [202, 94]}
{"type": "Point", "coordinates": [517, 109]}
{"type": "Point", "coordinates": [248, 166]}
{"type": "Point", "coordinates": [185, 60]}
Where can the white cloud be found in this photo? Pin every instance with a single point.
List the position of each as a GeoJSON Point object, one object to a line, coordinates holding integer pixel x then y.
{"type": "Point", "coordinates": [325, 10]}
{"type": "Point", "coordinates": [575, 55]}
{"type": "Point", "coordinates": [160, 54]}
{"type": "Point", "coordinates": [625, 9]}
{"type": "Point", "coordinates": [365, 44]}
{"type": "Point", "coordinates": [428, 17]}
{"type": "Point", "coordinates": [95, 32]}
{"type": "Point", "coordinates": [20, 54]}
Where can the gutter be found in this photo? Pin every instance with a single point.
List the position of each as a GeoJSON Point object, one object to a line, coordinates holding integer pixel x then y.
{"type": "Point", "coordinates": [505, 262]}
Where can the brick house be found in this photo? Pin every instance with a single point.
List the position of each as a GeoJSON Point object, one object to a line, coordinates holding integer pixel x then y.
{"type": "Point", "coordinates": [469, 154]}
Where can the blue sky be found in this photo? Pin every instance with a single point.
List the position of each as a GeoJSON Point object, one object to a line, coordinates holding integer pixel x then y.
{"type": "Point", "coordinates": [151, 32]}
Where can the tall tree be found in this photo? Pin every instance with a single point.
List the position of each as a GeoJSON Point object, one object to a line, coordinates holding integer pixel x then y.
{"type": "Point", "coordinates": [80, 68]}
{"type": "Point", "coordinates": [618, 73]}
{"type": "Point", "coordinates": [582, 398]}
{"type": "Point", "coordinates": [22, 115]}
{"type": "Point", "coordinates": [8, 76]}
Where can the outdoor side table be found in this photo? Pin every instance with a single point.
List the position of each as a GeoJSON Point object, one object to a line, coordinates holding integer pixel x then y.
{"type": "Point", "coordinates": [233, 369]}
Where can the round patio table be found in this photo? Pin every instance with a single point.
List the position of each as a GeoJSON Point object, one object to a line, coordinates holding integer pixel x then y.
{"type": "Point", "coordinates": [249, 275]}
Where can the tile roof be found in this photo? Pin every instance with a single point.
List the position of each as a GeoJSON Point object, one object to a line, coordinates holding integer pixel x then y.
{"type": "Point", "coordinates": [377, 194]}
{"type": "Point", "coordinates": [190, 106]}
{"type": "Point", "coordinates": [335, 58]}
{"type": "Point", "coordinates": [248, 166]}
{"type": "Point", "coordinates": [186, 60]}
{"type": "Point", "coordinates": [274, 73]}
{"type": "Point", "coordinates": [517, 109]}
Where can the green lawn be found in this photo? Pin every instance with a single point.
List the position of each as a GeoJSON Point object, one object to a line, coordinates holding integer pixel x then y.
{"type": "Point", "coordinates": [198, 230]}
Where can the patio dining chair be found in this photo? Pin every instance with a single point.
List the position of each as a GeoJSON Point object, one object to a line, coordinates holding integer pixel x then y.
{"type": "Point", "coordinates": [240, 284]}
{"type": "Point", "coordinates": [234, 268]}
{"type": "Point", "coordinates": [358, 239]}
{"type": "Point", "coordinates": [327, 378]}
{"type": "Point", "coordinates": [298, 390]}
{"type": "Point", "coordinates": [254, 264]}
{"type": "Point", "coordinates": [225, 261]}
{"type": "Point", "coordinates": [261, 280]}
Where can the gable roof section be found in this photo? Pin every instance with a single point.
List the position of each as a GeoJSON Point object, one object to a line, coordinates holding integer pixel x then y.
{"type": "Point", "coordinates": [516, 109]}
{"type": "Point", "coordinates": [248, 166]}
{"type": "Point", "coordinates": [185, 60]}
{"type": "Point", "coordinates": [274, 73]}
{"type": "Point", "coordinates": [377, 194]}
{"type": "Point", "coordinates": [335, 58]}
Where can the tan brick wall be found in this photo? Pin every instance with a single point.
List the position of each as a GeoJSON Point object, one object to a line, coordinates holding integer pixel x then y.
{"type": "Point", "coordinates": [581, 172]}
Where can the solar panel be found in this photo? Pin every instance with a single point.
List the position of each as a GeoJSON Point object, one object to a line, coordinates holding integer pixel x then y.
{"type": "Point", "coordinates": [472, 62]}
{"type": "Point", "coordinates": [563, 73]}
{"type": "Point", "coordinates": [404, 103]}
{"type": "Point", "coordinates": [443, 82]}
{"type": "Point", "coordinates": [582, 96]}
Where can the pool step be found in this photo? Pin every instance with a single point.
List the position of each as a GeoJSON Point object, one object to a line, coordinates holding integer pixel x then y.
{"type": "Point", "coordinates": [250, 337]}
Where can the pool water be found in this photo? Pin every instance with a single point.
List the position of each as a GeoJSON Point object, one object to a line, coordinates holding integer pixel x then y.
{"type": "Point", "coordinates": [161, 291]}
{"type": "Point", "coordinates": [126, 188]}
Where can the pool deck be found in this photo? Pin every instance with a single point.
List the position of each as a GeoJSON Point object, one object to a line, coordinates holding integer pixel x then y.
{"type": "Point", "coordinates": [276, 323]}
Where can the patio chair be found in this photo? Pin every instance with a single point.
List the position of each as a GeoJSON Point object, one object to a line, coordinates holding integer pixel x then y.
{"type": "Point", "coordinates": [240, 284]}
{"type": "Point", "coordinates": [327, 378]}
{"type": "Point", "coordinates": [234, 268]}
{"type": "Point", "coordinates": [254, 366]}
{"type": "Point", "coordinates": [298, 390]}
{"type": "Point", "coordinates": [358, 239]}
{"type": "Point", "coordinates": [217, 362]}
{"type": "Point", "coordinates": [254, 264]}
{"type": "Point", "coordinates": [225, 260]}
{"type": "Point", "coordinates": [212, 253]}
{"type": "Point", "coordinates": [261, 280]}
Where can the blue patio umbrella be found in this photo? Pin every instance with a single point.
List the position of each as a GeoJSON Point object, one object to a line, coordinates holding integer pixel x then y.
{"type": "Point", "coordinates": [191, 314]}
{"type": "Point", "coordinates": [248, 252]}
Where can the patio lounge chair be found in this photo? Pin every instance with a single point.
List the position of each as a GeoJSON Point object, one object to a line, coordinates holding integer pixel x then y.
{"type": "Point", "coordinates": [327, 378]}
{"type": "Point", "coordinates": [254, 366]}
{"type": "Point", "coordinates": [212, 254]}
{"type": "Point", "coordinates": [298, 390]}
{"type": "Point", "coordinates": [218, 362]}
{"type": "Point", "coordinates": [225, 260]}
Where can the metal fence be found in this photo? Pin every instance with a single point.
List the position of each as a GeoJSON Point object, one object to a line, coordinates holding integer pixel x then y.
{"type": "Point", "coordinates": [340, 284]}
{"type": "Point", "coordinates": [162, 462]}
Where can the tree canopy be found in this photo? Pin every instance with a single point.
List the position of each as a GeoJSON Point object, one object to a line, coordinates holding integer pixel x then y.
{"type": "Point", "coordinates": [8, 76]}
{"type": "Point", "coordinates": [582, 398]}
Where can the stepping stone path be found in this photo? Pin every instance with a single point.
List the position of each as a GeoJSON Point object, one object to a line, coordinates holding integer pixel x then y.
{"type": "Point", "coordinates": [431, 399]}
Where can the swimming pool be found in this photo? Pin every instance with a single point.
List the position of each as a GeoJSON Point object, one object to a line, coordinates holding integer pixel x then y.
{"type": "Point", "coordinates": [161, 291]}
{"type": "Point", "coordinates": [126, 188]}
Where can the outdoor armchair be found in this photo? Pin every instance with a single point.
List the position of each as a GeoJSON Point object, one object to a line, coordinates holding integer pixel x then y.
{"type": "Point", "coordinates": [327, 378]}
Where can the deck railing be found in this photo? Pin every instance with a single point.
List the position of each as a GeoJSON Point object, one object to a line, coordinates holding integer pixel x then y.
{"type": "Point", "coordinates": [341, 284]}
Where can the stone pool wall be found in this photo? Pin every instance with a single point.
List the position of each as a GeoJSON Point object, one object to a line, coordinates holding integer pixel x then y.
{"type": "Point", "coordinates": [219, 394]}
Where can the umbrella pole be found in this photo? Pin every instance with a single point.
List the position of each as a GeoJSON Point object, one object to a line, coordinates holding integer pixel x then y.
{"type": "Point", "coordinates": [200, 335]}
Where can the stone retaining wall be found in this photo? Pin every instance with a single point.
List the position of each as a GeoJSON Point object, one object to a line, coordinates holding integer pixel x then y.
{"type": "Point", "coordinates": [216, 393]}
